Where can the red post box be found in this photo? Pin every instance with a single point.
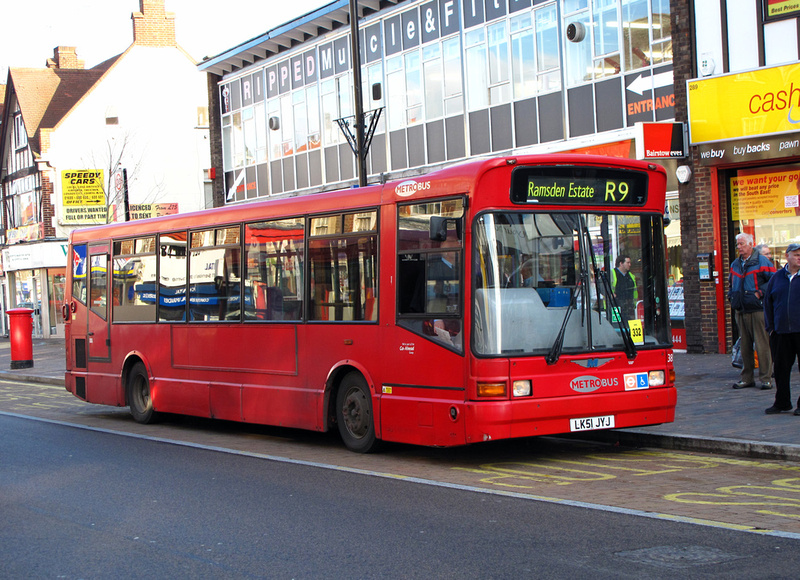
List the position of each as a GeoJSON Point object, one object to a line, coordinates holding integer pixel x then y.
{"type": "Point", "coordinates": [21, 331]}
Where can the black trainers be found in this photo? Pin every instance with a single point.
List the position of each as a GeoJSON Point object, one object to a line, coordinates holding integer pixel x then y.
{"type": "Point", "coordinates": [766, 386]}
{"type": "Point", "coordinates": [774, 410]}
{"type": "Point", "coordinates": [797, 411]}
{"type": "Point", "coordinates": [741, 385]}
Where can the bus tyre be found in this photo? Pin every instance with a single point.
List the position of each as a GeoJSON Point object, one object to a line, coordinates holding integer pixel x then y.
{"type": "Point", "coordinates": [138, 395]}
{"type": "Point", "coordinates": [354, 414]}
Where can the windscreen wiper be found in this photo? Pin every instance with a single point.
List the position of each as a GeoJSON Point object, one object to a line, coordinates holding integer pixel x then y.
{"type": "Point", "coordinates": [627, 340]}
{"type": "Point", "coordinates": [602, 276]}
{"type": "Point", "coordinates": [555, 351]}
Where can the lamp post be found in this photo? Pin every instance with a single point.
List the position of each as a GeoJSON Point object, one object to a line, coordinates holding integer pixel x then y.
{"type": "Point", "coordinates": [360, 150]}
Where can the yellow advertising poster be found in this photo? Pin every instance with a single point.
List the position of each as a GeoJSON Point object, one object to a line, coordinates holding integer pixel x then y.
{"type": "Point", "coordinates": [760, 102]}
{"type": "Point", "coordinates": [777, 8]}
{"type": "Point", "coordinates": [757, 194]}
{"type": "Point", "coordinates": [83, 196]}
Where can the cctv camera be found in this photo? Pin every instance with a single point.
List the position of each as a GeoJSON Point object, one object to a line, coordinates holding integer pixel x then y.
{"type": "Point", "coordinates": [576, 32]}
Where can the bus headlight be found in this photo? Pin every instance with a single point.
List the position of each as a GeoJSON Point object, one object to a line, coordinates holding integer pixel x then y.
{"type": "Point", "coordinates": [492, 389]}
{"type": "Point", "coordinates": [656, 378]}
{"type": "Point", "coordinates": [522, 388]}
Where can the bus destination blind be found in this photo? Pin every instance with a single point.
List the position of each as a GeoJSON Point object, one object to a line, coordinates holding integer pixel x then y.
{"type": "Point", "coordinates": [556, 185]}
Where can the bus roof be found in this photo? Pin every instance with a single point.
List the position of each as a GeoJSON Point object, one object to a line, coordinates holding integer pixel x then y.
{"type": "Point", "coordinates": [454, 179]}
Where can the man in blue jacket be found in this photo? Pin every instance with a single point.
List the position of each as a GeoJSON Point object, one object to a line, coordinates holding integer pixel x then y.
{"type": "Point", "coordinates": [782, 317]}
{"type": "Point", "coordinates": [750, 273]}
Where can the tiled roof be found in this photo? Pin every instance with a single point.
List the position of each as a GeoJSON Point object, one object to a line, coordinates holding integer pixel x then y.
{"type": "Point", "coordinates": [46, 95]}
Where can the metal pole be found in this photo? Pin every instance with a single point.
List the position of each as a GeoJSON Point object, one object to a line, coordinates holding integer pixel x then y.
{"type": "Point", "coordinates": [359, 123]}
{"type": "Point", "coordinates": [126, 201]}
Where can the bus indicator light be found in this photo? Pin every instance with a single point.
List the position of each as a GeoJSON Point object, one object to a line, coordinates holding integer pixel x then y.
{"type": "Point", "coordinates": [491, 389]}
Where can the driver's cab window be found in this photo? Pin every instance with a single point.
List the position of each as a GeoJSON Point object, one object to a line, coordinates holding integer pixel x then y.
{"type": "Point", "coordinates": [430, 270]}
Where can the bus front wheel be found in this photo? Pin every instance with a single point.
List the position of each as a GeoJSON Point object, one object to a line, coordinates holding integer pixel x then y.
{"type": "Point", "coordinates": [354, 414]}
{"type": "Point", "coordinates": [138, 394]}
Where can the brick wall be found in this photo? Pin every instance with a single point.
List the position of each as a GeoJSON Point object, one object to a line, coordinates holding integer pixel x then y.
{"type": "Point", "coordinates": [696, 202]}
{"type": "Point", "coordinates": [152, 25]}
{"type": "Point", "coordinates": [215, 136]}
{"type": "Point", "coordinates": [65, 57]}
{"type": "Point", "coordinates": [48, 209]}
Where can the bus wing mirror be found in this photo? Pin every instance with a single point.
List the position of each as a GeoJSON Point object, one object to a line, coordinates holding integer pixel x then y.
{"type": "Point", "coordinates": [438, 228]}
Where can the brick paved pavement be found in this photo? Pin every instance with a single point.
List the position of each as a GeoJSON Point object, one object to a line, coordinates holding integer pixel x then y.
{"type": "Point", "coordinates": [711, 416]}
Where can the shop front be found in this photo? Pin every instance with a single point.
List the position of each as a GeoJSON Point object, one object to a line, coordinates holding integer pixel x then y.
{"type": "Point", "coordinates": [35, 278]}
{"type": "Point", "coordinates": [746, 130]}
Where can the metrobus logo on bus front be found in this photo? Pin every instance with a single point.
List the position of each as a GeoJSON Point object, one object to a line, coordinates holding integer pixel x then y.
{"type": "Point", "coordinates": [410, 187]}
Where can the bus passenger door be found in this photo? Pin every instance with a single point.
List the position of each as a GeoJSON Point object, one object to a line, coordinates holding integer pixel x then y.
{"type": "Point", "coordinates": [98, 324]}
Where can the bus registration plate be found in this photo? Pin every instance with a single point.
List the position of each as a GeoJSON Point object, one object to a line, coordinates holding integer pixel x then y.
{"type": "Point", "coordinates": [589, 423]}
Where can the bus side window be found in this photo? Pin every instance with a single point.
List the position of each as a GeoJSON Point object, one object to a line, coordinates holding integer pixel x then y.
{"type": "Point", "coordinates": [172, 277]}
{"type": "Point", "coordinates": [214, 281]}
{"type": "Point", "coordinates": [343, 251]}
{"type": "Point", "coordinates": [134, 280]}
{"type": "Point", "coordinates": [273, 279]}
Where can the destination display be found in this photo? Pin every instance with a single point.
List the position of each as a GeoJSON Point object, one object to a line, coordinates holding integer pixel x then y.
{"type": "Point", "coordinates": [578, 186]}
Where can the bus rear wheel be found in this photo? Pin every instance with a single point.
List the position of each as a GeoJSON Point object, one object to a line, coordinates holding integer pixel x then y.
{"type": "Point", "coordinates": [354, 414]}
{"type": "Point", "coordinates": [138, 395]}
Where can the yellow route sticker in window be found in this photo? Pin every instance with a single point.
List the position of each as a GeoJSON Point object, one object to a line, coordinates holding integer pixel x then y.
{"type": "Point", "coordinates": [637, 333]}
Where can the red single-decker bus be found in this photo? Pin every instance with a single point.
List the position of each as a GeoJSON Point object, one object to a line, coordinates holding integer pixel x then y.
{"type": "Point", "coordinates": [477, 302]}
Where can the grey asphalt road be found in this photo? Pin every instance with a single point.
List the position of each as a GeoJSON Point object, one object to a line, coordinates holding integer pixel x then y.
{"type": "Point", "coordinates": [76, 503]}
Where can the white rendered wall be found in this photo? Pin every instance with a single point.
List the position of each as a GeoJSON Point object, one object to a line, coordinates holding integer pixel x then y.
{"type": "Point", "coordinates": [155, 93]}
{"type": "Point", "coordinates": [709, 35]}
{"type": "Point", "coordinates": [780, 42]}
{"type": "Point", "coordinates": [742, 34]}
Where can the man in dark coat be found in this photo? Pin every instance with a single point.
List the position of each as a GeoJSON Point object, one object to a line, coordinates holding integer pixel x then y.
{"type": "Point", "coordinates": [782, 320]}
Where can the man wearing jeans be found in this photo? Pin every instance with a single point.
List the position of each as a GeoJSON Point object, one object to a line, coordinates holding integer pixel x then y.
{"type": "Point", "coordinates": [749, 275]}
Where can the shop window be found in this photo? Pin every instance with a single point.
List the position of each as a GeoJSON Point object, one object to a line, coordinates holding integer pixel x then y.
{"type": "Point", "coordinates": [764, 204]}
{"type": "Point", "coordinates": [523, 59]}
{"type": "Point", "coordinates": [434, 90]}
{"type": "Point", "coordinates": [395, 93]}
{"type": "Point", "coordinates": [636, 34]}
{"type": "Point", "coordinates": [477, 75]}
{"type": "Point", "coordinates": [547, 55]}
{"type": "Point", "coordinates": [578, 55]}
{"type": "Point", "coordinates": [451, 52]}
{"type": "Point", "coordinates": [499, 68]}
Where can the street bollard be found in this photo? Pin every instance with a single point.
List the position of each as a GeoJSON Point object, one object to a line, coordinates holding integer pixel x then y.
{"type": "Point", "coordinates": [21, 331]}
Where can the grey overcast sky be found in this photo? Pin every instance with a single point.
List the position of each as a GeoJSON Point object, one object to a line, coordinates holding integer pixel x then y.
{"type": "Point", "coordinates": [100, 29]}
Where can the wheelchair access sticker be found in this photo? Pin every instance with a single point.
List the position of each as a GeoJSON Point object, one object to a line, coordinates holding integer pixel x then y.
{"type": "Point", "coordinates": [634, 381]}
